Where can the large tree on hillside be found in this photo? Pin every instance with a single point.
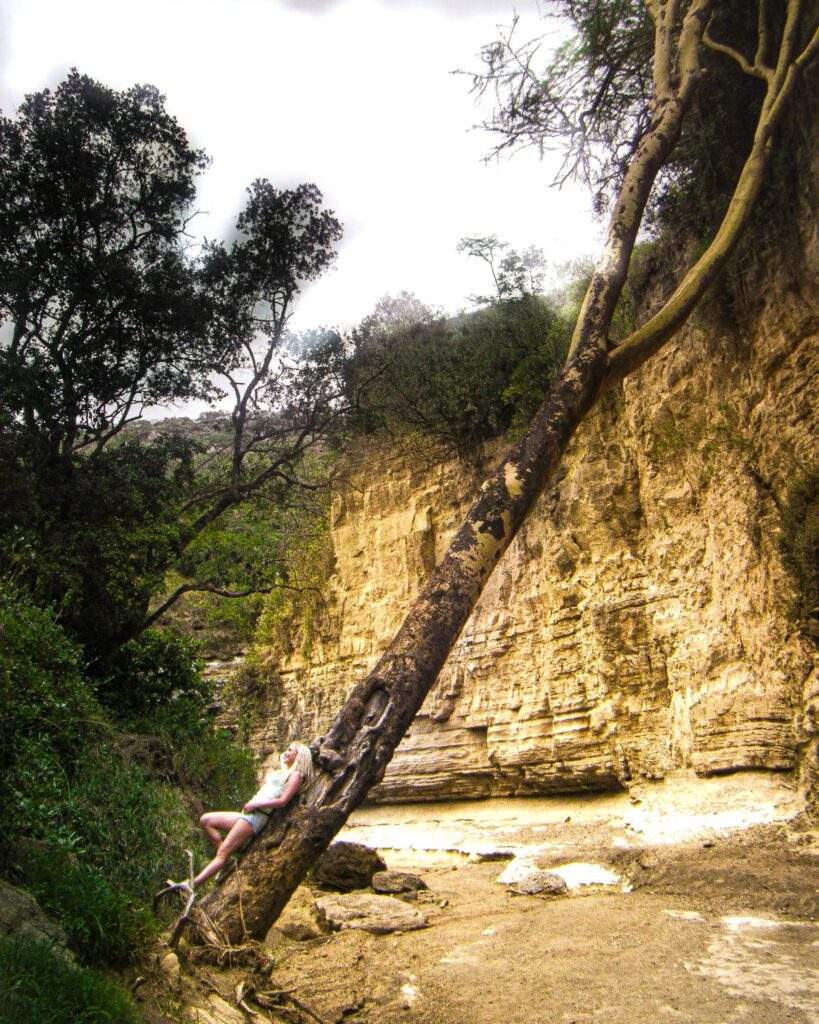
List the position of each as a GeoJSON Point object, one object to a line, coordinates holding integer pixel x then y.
{"type": "Point", "coordinates": [642, 94]}
{"type": "Point", "coordinates": [289, 394]}
{"type": "Point", "coordinates": [98, 298]}
{"type": "Point", "coordinates": [105, 311]}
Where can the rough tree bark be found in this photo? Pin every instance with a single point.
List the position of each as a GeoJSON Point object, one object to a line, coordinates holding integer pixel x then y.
{"type": "Point", "coordinates": [355, 752]}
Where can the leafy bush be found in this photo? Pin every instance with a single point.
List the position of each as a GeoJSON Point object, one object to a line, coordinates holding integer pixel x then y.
{"type": "Point", "coordinates": [48, 711]}
{"type": "Point", "coordinates": [94, 845]}
{"type": "Point", "coordinates": [461, 381]}
{"type": "Point", "coordinates": [38, 986]}
{"type": "Point", "coordinates": [131, 827]}
{"type": "Point", "coordinates": [102, 924]}
{"type": "Point", "coordinates": [91, 825]}
{"type": "Point", "coordinates": [154, 681]}
{"type": "Point", "coordinates": [43, 694]}
{"type": "Point", "coordinates": [222, 773]}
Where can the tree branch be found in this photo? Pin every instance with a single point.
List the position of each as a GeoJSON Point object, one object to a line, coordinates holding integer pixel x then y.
{"type": "Point", "coordinates": [635, 349]}
{"type": "Point", "coordinates": [755, 70]}
{"type": "Point", "coordinates": [761, 33]}
{"type": "Point", "coordinates": [652, 152]}
{"type": "Point", "coordinates": [212, 588]}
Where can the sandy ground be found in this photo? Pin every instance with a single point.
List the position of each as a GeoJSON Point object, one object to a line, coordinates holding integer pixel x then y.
{"type": "Point", "coordinates": [706, 919]}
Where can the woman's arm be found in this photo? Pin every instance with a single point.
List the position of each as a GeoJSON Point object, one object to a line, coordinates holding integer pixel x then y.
{"type": "Point", "coordinates": [289, 791]}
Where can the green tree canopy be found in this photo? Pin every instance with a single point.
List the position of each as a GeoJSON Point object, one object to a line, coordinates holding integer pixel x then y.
{"type": "Point", "coordinates": [98, 297]}
{"type": "Point", "coordinates": [106, 310]}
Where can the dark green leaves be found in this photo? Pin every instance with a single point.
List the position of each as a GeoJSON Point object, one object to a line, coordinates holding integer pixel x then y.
{"type": "Point", "coordinates": [98, 296]}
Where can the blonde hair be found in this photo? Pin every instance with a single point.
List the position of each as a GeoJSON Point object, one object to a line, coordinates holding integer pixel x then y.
{"type": "Point", "coordinates": [303, 763]}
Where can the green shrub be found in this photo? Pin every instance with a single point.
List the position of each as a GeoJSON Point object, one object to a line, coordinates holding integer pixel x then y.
{"type": "Point", "coordinates": [43, 694]}
{"type": "Point", "coordinates": [90, 827]}
{"type": "Point", "coordinates": [38, 986]}
{"type": "Point", "coordinates": [464, 380]}
{"type": "Point", "coordinates": [48, 714]}
{"type": "Point", "coordinates": [102, 924]}
{"type": "Point", "coordinates": [128, 825]}
{"type": "Point", "coordinates": [36, 789]}
{"type": "Point", "coordinates": [222, 773]}
{"type": "Point", "coordinates": [153, 683]}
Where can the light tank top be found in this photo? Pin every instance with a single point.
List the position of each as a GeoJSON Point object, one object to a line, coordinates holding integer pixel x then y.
{"type": "Point", "coordinates": [272, 788]}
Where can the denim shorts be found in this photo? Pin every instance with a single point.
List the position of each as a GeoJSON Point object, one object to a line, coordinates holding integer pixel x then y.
{"type": "Point", "coordinates": [256, 819]}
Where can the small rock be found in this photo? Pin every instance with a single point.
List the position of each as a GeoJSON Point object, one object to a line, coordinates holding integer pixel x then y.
{"type": "Point", "coordinates": [443, 903]}
{"type": "Point", "coordinates": [21, 915]}
{"type": "Point", "coordinates": [708, 843]}
{"type": "Point", "coordinates": [170, 964]}
{"type": "Point", "coordinates": [346, 866]}
{"type": "Point", "coordinates": [377, 914]}
{"type": "Point", "coordinates": [394, 882]}
{"type": "Point", "coordinates": [541, 883]}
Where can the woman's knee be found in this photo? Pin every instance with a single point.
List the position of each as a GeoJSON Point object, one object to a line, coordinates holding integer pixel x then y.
{"type": "Point", "coordinates": [205, 819]}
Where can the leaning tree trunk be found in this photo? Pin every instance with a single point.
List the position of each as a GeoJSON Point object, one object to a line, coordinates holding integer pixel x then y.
{"type": "Point", "coordinates": [357, 749]}
{"type": "Point", "coordinates": [355, 752]}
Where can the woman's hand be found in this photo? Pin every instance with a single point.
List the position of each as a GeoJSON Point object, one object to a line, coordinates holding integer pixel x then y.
{"type": "Point", "coordinates": [288, 793]}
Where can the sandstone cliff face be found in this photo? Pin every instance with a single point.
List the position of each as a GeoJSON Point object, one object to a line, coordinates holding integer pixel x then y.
{"type": "Point", "coordinates": [641, 622]}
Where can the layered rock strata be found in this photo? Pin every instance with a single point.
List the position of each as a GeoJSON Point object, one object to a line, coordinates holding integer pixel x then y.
{"type": "Point", "coordinates": [642, 622]}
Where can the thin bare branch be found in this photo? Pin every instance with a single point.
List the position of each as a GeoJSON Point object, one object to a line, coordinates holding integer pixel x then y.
{"type": "Point", "coordinates": [213, 588]}
{"type": "Point", "coordinates": [761, 34]}
{"type": "Point", "coordinates": [755, 70]}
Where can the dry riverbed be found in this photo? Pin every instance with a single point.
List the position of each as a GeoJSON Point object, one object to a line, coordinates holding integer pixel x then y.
{"type": "Point", "coordinates": [690, 902]}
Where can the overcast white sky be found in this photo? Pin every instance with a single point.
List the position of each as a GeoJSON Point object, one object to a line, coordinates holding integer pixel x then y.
{"type": "Point", "coordinates": [357, 96]}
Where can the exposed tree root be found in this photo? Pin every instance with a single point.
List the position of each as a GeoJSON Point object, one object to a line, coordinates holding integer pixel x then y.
{"type": "Point", "coordinates": [256, 994]}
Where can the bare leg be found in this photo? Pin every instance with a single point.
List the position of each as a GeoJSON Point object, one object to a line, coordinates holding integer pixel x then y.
{"type": "Point", "coordinates": [214, 823]}
{"type": "Point", "coordinates": [240, 831]}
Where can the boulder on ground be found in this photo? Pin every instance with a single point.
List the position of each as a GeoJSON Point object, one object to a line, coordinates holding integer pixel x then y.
{"type": "Point", "coordinates": [298, 919]}
{"type": "Point", "coordinates": [346, 866]}
{"type": "Point", "coordinates": [530, 880]}
{"type": "Point", "coordinates": [542, 883]}
{"type": "Point", "coordinates": [21, 915]}
{"type": "Point", "coordinates": [393, 882]}
{"type": "Point", "coordinates": [377, 914]}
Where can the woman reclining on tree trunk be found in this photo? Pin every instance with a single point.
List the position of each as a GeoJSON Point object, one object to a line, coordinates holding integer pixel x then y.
{"type": "Point", "coordinates": [276, 791]}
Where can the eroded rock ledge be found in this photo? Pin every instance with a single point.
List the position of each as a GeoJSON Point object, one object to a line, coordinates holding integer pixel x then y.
{"type": "Point", "coordinates": [643, 619]}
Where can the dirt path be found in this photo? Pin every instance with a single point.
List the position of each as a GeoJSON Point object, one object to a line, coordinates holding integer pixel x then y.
{"type": "Point", "coordinates": [705, 930]}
